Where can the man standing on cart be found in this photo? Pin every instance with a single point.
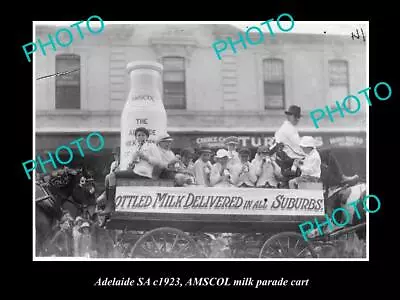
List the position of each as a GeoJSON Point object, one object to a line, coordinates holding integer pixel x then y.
{"type": "Point", "coordinates": [289, 136]}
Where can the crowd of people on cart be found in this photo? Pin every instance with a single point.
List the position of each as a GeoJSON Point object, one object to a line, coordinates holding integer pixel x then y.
{"type": "Point", "coordinates": [231, 166]}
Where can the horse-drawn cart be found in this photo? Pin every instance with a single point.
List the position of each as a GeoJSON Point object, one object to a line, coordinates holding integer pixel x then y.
{"type": "Point", "coordinates": [166, 221]}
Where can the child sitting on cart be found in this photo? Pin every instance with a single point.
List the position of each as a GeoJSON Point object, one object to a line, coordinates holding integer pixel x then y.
{"type": "Point", "coordinates": [310, 166]}
{"type": "Point", "coordinates": [143, 151]}
{"type": "Point", "coordinates": [202, 167]}
{"type": "Point", "coordinates": [244, 172]}
{"type": "Point", "coordinates": [267, 170]}
{"type": "Point", "coordinates": [221, 172]}
{"type": "Point", "coordinates": [185, 168]}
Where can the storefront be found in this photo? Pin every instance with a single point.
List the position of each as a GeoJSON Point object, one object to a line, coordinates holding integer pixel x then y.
{"type": "Point", "coordinates": [182, 139]}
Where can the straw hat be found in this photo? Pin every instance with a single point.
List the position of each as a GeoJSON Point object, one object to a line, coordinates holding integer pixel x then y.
{"type": "Point", "coordinates": [231, 140]}
{"type": "Point", "coordinates": [221, 153]}
{"type": "Point", "coordinates": [85, 225]}
{"type": "Point", "coordinates": [309, 141]}
{"type": "Point", "coordinates": [165, 137]}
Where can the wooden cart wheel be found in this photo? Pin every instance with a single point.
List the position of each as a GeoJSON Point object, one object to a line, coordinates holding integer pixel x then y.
{"type": "Point", "coordinates": [287, 245]}
{"type": "Point", "coordinates": [165, 242]}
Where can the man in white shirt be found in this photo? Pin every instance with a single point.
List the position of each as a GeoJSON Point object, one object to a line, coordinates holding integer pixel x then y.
{"type": "Point", "coordinates": [311, 165]}
{"type": "Point", "coordinates": [288, 134]}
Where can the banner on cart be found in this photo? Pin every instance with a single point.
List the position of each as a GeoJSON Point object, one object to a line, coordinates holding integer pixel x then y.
{"type": "Point", "coordinates": [231, 201]}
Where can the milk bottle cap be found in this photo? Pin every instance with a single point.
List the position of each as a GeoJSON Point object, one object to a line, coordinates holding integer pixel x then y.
{"type": "Point", "coordinates": [135, 65]}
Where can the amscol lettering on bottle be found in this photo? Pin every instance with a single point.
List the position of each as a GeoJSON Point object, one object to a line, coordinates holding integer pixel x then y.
{"type": "Point", "coordinates": [143, 108]}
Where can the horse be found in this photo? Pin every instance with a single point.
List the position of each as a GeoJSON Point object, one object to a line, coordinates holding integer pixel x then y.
{"type": "Point", "coordinates": [337, 194]}
{"type": "Point", "coordinates": [86, 209]}
{"type": "Point", "coordinates": [49, 208]}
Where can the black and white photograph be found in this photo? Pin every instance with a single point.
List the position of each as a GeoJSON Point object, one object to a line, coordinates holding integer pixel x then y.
{"type": "Point", "coordinates": [201, 140]}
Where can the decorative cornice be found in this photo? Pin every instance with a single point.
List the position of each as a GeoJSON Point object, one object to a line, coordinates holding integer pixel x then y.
{"type": "Point", "coordinates": [119, 32]}
{"type": "Point", "coordinates": [166, 49]}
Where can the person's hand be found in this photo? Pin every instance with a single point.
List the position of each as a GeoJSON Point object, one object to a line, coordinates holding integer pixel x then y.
{"type": "Point", "coordinates": [226, 174]}
{"type": "Point", "coordinates": [174, 160]}
{"type": "Point", "coordinates": [143, 156]}
{"type": "Point", "coordinates": [207, 170]}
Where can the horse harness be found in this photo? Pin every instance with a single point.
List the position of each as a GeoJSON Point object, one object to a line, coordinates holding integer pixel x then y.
{"type": "Point", "coordinates": [46, 201]}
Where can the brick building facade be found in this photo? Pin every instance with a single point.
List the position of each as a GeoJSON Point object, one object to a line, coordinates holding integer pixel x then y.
{"type": "Point", "coordinates": [206, 99]}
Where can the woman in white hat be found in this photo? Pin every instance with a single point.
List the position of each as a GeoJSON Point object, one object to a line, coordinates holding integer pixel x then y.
{"type": "Point", "coordinates": [220, 172]}
{"type": "Point", "coordinates": [310, 166]}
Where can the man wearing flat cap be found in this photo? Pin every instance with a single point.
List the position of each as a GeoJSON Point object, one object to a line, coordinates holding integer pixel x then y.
{"type": "Point", "coordinates": [202, 166]}
{"type": "Point", "coordinates": [184, 167]}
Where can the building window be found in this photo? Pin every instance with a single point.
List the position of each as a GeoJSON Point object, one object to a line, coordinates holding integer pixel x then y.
{"type": "Point", "coordinates": [68, 86]}
{"type": "Point", "coordinates": [174, 83]}
{"type": "Point", "coordinates": [338, 82]}
{"type": "Point", "coordinates": [274, 84]}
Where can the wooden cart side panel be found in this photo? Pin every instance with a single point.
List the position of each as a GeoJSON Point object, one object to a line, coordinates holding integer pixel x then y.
{"type": "Point", "coordinates": [207, 223]}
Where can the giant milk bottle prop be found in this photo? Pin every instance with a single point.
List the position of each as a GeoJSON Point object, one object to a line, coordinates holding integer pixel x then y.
{"type": "Point", "coordinates": [143, 108]}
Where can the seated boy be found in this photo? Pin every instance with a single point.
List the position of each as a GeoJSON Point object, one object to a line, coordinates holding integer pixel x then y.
{"type": "Point", "coordinates": [244, 172]}
{"type": "Point", "coordinates": [310, 166]}
{"type": "Point", "coordinates": [221, 173]}
{"type": "Point", "coordinates": [139, 147]}
{"type": "Point", "coordinates": [267, 170]}
{"type": "Point", "coordinates": [202, 167]}
{"type": "Point", "coordinates": [185, 168]}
